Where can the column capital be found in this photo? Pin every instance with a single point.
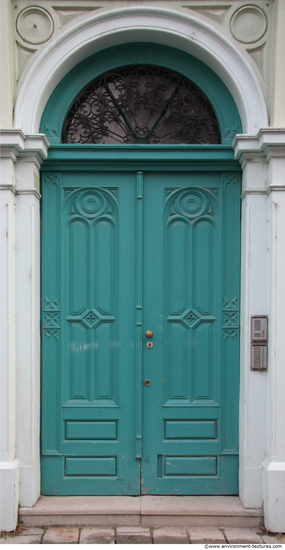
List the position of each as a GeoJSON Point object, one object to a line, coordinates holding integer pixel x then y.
{"type": "Point", "coordinates": [267, 144]}
{"type": "Point", "coordinates": [11, 143]}
{"type": "Point", "coordinates": [15, 145]}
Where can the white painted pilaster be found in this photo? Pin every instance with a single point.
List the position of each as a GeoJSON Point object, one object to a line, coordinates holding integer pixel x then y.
{"type": "Point", "coordinates": [28, 332]}
{"type": "Point", "coordinates": [274, 466]}
{"type": "Point", "coordinates": [9, 474]}
{"type": "Point", "coordinates": [263, 292]}
{"type": "Point", "coordinates": [254, 301]}
{"type": "Point", "coordinates": [28, 316]}
{"type": "Point", "coordinates": [20, 370]}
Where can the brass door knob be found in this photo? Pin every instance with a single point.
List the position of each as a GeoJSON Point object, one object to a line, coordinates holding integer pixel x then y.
{"type": "Point", "coordinates": [149, 333]}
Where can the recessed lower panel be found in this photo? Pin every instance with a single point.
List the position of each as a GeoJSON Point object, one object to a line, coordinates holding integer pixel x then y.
{"type": "Point", "coordinates": [190, 466]}
{"type": "Point", "coordinates": [190, 429]}
{"type": "Point", "coordinates": [90, 430]}
{"type": "Point", "coordinates": [91, 466]}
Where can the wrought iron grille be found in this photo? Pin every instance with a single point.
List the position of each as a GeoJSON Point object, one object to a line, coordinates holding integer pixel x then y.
{"type": "Point", "coordinates": [141, 105]}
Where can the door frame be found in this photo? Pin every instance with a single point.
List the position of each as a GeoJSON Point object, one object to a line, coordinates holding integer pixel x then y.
{"type": "Point", "coordinates": [154, 158]}
{"type": "Point", "coordinates": [129, 157]}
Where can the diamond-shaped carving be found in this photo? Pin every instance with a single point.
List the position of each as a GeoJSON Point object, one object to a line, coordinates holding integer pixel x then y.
{"type": "Point", "coordinates": [230, 318]}
{"type": "Point", "coordinates": [51, 304]}
{"type": "Point", "coordinates": [230, 333]}
{"type": "Point", "coordinates": [91, 318]}
{"type": "Point", "coordinates": [51, 318]}
{"type": "Point", "coordinates": [191, 318]}
{"type": "Point", "coordinates": [230, 304]}
{"type": "Point", "coordinates": [52, 332]}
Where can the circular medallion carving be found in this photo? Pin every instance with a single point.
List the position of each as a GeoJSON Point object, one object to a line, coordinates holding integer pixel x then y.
{"type": "Point", "coordinates": [34, 25]}
{"type": "Point", "coordinates": [192, 205]}
{"type": "Point", "coordinates": [90, 205]}
{"type": "Point", "coordinates": [248, 24]}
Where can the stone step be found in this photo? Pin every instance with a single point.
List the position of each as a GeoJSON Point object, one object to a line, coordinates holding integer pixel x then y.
{"type": "Point", "coordinates": [146, 511]}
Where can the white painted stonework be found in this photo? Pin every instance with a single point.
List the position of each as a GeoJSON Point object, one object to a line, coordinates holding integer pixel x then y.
{"type": "Point", "coordinates": [21, 157]}
{"type": "Point", "coordinates": [252, 66]}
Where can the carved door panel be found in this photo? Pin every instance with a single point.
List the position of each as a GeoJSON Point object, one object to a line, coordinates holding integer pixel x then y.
{"type": "Point", "coordinates": [123, 252]}
{"type": "Point", "coordinates": [191, 296]}
{"type": "Point", "coordinates": [88, 323]}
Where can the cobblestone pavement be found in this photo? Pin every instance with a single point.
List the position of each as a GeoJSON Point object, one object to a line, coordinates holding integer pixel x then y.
{"type": "Point", "coordinates": [141, 535]}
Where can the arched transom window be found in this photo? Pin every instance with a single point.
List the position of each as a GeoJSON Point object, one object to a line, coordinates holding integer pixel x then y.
{"type": "Point", "coordinates": [141, 105]}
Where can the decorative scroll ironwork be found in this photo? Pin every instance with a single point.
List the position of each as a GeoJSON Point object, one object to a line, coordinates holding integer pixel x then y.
{"type": "Point", "coordinates": [141, 105]}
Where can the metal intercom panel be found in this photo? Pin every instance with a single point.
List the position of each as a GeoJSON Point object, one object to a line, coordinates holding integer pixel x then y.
{"type": "Point", "coordinates": [258, 357]}
{"type": "Point", "coordinates": [259, 342]}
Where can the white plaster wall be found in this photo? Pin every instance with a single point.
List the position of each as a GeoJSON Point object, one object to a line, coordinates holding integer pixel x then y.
{"type": "Point", "coordinates": [7, 64]}
{"type": "Point", "coordinates": [220, 16]}
{"type": "Point", "coordinates": [140, 24]}
{"type": "Point", "coordinates": [266, 56]}
{"type": "Point", "coordinates": [278, 66]}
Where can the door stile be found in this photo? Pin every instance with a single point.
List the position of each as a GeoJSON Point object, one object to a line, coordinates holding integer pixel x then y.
{"type": "Point", "coordinates": [51, 315]}
{"type": "Point", "coordinates": [230, 327]}
{"type": "Point", "coordinates": [139, 292]}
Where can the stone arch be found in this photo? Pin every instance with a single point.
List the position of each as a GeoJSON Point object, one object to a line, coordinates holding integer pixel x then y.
{"type": "Point", "coordinates": [140, 24]}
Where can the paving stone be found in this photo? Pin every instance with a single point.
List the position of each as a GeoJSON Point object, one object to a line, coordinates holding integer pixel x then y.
{"type": "Point", "coordinates": [61, 535]}
{"type": "Point", "coordinates": [133, 535]}
{"type": "Point", "coordinates": [26, 539]}
{"type": "Point", "coordinates": [242, 535]}
{"type": "Point", "coordinates": [203, 535]}
{"type": "Point", "coordinates": [96, 535]}
{"type": "Point", "coordinates": [32, 531]}
{"type": "Point", "coordinates": [133, 531]}
{"type": "Point", "coordinates": [133, 539]}
{"type": "Point", "coordinates": [272, 539]}
{"type": "Point", "coordinates": [170, 535]}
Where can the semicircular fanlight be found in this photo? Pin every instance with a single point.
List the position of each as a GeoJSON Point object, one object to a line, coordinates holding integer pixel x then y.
{"type": "Point", "coordinates": [141, 105]}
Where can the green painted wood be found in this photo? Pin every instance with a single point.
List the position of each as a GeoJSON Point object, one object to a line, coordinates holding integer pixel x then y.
{"type": "Point", "coordinates": [141, 54]}
{"type": "Point", "coordinates": [191, 297]}
{"type": "Point", "coordinates": [88, 298]}
{"type": "Point", "coordinates": [186, 429]}
{"type": "Point", "coordinates": [104, 257]}
{"type": "Point", "coordinates": [90, 430]}
{"type": "Point", "coordinates": [105, 466]}
{"type": "Point", "coordinates": [192, 157]}
{"type": "Point", "coordinates": [190, 466]}
{"type": "Point", "coordinates": [51, 326]}
{"type": "Point", "coordinates": [139, 297]}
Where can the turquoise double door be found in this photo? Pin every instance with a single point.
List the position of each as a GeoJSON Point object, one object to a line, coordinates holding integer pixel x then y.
{"type": "Point", "coordinates": [123, 252]}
